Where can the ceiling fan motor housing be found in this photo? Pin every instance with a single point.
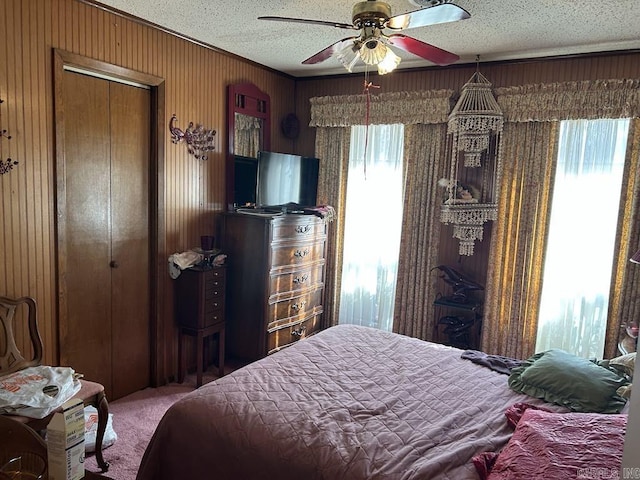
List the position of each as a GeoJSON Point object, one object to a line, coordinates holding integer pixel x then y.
{"type": "Point", "coordinates": [371, 14]}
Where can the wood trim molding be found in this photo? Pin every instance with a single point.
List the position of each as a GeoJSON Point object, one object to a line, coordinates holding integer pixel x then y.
{"type": "Point", "coordinates": [157, 260]}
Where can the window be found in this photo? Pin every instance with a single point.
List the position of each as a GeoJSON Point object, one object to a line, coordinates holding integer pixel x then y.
{"type": "Point", "coordinates": [579, 255]}
{"type": "Point", "coordinates": [373, 221]}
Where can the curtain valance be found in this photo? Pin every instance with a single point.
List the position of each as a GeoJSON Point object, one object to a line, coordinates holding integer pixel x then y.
{"type": "Point", "coordinates": [409, 108]}
{"type": "Point", "coordinates": [570, 100]}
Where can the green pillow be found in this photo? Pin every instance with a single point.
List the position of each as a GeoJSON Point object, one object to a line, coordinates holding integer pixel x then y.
{"type": "Point", "coordinates": [568, 380]}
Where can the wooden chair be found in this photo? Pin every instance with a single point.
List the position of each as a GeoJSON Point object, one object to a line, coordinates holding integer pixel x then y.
{"type": "Point", "coordinates": [18, 440]}
{"type": "Point", "coordinates": [12, 360]}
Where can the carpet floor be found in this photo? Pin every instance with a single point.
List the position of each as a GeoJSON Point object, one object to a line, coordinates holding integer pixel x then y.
{"type": "Point", "coordinates": [135, 418]}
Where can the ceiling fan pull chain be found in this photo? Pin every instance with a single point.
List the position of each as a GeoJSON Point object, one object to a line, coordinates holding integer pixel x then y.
{"type": "Point", "coordinates": [368, 85]}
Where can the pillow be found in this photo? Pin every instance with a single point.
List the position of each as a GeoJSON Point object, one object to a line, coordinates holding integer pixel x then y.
{"type": "Point", "coordinates": [623, 364]}
{"type": "Point", "coordinates": [568, 380]}
{"type": "Point", "coordinates": [553, 445]}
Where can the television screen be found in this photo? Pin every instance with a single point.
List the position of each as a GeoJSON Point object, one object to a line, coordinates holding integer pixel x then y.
{"type": "Point", "coordinates": [284, 178]}
{"type": "Point", "coordinates": [246, 175]}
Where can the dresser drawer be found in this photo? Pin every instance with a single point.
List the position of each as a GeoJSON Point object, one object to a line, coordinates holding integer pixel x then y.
{"type": "Point", "coordinates": [292, 309]}
{"type": "Point", "coordinates": [296, 253]}
{"type": "Point", "coordinates": [290, 334]}
{"type": "Point", "coordinates": [300, 228]}
{"type": "Point", "coordinates": [288, 284]}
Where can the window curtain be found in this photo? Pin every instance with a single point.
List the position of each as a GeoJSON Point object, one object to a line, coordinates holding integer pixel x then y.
{"type": "Point", "coordinates": [514, 272]}
{"type": "Point", "coordinates": [374, 198]}
{"type": "Point", "coordinates": [529, 150]}
{"type": "Point", "coordinates": [582, 228]}
{"type": "Point", "coordinates": [246, 142]}
{"type": "Point", "coordinates": [425, 147]}
{"type": "Point", "coordinates": [624, 296]}
{"type": "Point", "coordinates": [333, 117]}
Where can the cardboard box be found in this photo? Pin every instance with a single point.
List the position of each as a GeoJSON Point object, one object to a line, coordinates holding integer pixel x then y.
{"type": "Point", "coordinates": [65, 442]}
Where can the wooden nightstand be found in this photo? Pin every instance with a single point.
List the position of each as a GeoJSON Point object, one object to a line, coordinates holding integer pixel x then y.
{"type": "Point", "coordinates": [200, 313]}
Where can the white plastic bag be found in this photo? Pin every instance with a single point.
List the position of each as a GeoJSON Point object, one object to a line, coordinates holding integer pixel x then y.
{"type": "Point", "coordinates": [37, 391]}
{"type": "Point", "coordinates": [91, 430]}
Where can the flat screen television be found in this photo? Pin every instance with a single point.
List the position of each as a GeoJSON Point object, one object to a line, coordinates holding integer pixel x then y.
{"type": "Point", "coordinates": [285, 179]}
{"type": "Point", "coordinates": [246, 176]}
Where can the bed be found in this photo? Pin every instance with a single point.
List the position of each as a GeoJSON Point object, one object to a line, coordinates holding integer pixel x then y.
{"type": "Point", "coordinates": [347, 403]}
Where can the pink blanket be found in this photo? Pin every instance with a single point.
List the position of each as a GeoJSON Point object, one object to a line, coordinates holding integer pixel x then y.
{"type": "Point", "coordinates": [549, 445]}
{"type": "Point", "coordinates": [348, 403]}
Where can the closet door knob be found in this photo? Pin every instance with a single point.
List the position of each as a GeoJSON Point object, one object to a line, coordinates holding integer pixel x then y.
{"type": "Point", "coordinates": [113, 264]}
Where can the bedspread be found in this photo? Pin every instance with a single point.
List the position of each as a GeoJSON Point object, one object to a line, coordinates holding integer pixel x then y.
{"type": "Point", "coordinates": [347, 403]}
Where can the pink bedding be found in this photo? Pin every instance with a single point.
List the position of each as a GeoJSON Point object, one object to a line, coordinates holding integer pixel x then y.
{"type": "Point", "coordinates": [548, 445]}
{"type": "Point", "coordinates": [348, 403]}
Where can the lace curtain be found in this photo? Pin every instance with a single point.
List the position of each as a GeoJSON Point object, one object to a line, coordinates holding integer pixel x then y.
{"type": "Point", "coordinates": [424, 137]}
{"type": "Point", "coordinates": [374, 199]}
{"type": "Point", "coordinates": [582, 228]}
{"type": "Point", "coordinates": [520, 234]}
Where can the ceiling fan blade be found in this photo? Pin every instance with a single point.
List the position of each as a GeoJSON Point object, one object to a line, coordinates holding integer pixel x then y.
{"type": "Point", "coordinates": [422, 49]}
{"type": "Point", "coordinates": [322, 55]}
{"type": "Point", "coordinates": [313, 22]}
{"type": "Point", "coordinates": [444, 13]}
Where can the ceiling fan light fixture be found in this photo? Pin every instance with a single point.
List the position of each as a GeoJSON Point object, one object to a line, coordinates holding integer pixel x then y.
{"type": "Point", "coordinates": [348, 56]}
{"type": "Point", "coordinates": [373, 52]}
{"type": "Point", "coordinates": [388, 63]}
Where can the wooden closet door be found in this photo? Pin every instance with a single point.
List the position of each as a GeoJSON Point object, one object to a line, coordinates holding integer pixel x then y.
{"type": "Point", "coordinates": [104, 245]}
{"type": "Point", "coordinates": [85, 242]}
{"type": "Point", "coordinates": [130, 138]}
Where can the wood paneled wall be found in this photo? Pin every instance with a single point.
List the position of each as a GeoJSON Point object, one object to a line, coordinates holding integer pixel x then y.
{"type": "Point", "coordinates": [500, 74]}
{"type": "Point", "coordinates": [196, 80]}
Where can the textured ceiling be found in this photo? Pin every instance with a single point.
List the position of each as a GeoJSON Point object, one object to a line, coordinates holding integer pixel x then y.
{"type": "Point", "coordinates": [497, 29]}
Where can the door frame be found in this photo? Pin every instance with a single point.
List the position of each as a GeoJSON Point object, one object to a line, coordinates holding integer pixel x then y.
{"type": "Point", "coordinates": [66, 60]}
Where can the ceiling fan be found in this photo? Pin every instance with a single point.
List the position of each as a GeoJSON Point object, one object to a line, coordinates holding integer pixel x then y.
{"type": "Point", "coordinates": [371, 17]}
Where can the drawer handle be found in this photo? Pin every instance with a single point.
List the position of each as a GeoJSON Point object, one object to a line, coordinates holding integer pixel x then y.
{"type": "Point", "coordinates": [303, 228]}
{"type": "Point", "coordinates": [301, 253]}
{"type": "Point", "coordinates": [299, 306]}
{"type": "Point", "coordinates": [299, 332]}
{"type": "Point", "coordinates": [301, 279]}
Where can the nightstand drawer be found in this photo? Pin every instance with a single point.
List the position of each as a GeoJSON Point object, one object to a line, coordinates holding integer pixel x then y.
{"type": "Point", "coordinates": [214, 279]}
{"type": "Point", "coordinates": [200, 297]}
{"type": "Point", "coordinates": [212, 318]}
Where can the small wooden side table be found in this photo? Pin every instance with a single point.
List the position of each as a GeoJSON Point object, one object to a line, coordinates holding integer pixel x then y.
{"type": "Point", "coordinates": [200, 313]}
{"type": "Point", "coordinates": [201, 334]}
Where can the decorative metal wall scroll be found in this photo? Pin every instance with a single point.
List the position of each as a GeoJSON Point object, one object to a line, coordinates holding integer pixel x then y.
{"type": "Point", "coordinates": [5, 165]}
{"type": "Point", "coordinates": [199, 140]}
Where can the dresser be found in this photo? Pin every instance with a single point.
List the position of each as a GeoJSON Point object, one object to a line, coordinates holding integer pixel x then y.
{"type": "Point", "coordinates": [200, 313]}
{"type": "Point", "coordinates": [275, 284]}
